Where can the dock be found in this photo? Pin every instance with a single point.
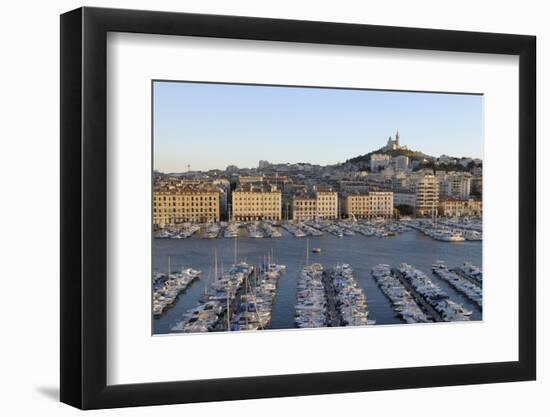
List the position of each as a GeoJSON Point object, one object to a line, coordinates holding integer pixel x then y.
{"type": "Point", "coordinates": [466, 276]}
{"type": "Point", "coordinates": [467, 287]}
{"type": "Point", "coordinates": [417, 297]}
{"type": "Point", "coordinates": [333, 316]}
{"type": "Point", "coordinates": [330, 298]}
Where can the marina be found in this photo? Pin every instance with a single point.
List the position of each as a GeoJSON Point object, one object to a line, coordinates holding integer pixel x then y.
{"type": "Point", "coordinates": [361, 253]}
{"type": "Point", "coordinates": [167, 288]}
{"type": "Point", "coordinates": [254, 311]}
{"type": "Point", "coordinates": [350, 300]}
{"type": "Point", "coordinates": [465, 286]}
{"type": "Point", "coordinates": [298, 229]}
{"type": "Point", "coordinates": [311, 300]}
{"type": "Point", "coordinates": [213, 311]}
{"type": "Point", "coordinates": [401, 299]}
{"type": "Point", "coordinates": [470, 272]}
{"type": "Point", "coordinates": [431, 296]}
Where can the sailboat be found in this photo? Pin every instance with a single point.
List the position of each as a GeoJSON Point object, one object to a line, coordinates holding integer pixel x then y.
{"type": "Point", "coordinates": [204, 297]}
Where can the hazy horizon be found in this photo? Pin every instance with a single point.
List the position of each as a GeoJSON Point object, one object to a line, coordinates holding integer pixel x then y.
{"type": "Point", "coordinates": [210, 126]}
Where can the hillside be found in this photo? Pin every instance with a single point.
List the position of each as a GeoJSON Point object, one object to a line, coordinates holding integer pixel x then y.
{"type": "Point", "coordinates": [413, 155]}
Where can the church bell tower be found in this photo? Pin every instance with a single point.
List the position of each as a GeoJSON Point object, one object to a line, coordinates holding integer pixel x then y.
{"type": "Point", "coordinates": [397, 144]}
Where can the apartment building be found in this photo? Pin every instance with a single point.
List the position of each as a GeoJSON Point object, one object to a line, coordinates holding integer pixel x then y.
{"type": "Point", "coordinates": [455, 207]}
{"type": "Point", "coordinates": [185, 204]}
{"type": "Point", "coordinates": [320, 205]}
{"type": "Point", "coordinates": [427, 195]}
{"type": "Point", "coordinates": [372, 204]}
{"type": "Point", "coordinates": [252, 202]}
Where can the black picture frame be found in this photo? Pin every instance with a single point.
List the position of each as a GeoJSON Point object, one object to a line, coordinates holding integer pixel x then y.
{"type": "Point", "coordinates": [84, 207]}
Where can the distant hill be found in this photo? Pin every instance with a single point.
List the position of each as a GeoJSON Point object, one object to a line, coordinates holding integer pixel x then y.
{"type": "Point", "coordinates": [413, 155]}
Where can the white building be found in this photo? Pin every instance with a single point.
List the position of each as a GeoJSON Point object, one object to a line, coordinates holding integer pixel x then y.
{"type": "Point", "coordinates": [400, 162]}
{"type": "Point", "coordinates": [393, 144]}
{"type": "Point", "coordinates": [379, 161]}
{"type": "Point", "coordinates": [455, 184]}
{"type": "Point", "coordinates": [446, 159]}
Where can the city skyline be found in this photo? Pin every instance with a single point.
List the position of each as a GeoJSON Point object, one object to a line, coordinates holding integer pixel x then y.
{"type": "Point", "coordinates": [210, 126]}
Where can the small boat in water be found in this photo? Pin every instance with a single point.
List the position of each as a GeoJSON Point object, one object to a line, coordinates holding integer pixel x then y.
{"type": "Point", "coordinates": [316, 250]}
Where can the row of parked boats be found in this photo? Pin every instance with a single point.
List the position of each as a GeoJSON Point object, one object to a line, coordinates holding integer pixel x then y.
{"type": "Point", "coordinates": [216, 303]}
{"type": "Point", "coordinates": [350, 300]}
{"type": "Point", "coordinates": [464, 223]}
{"type": "Point", "coordinates": [183, 232]}
{"type": "Point", "coordinates": [459, 283]}
{"type": "Point", "coordinates": [471, 272]}
{"type": "Point", "coordinates": [401, 300]}
{"type": "Point", "coordinates": [167, 287]}
{"type": "Point", "coordinates": [264, 229]}
{"type": "Point", "coordinates": [446, 231]}
{"type": "Point", "coordinates": [443, 234]}
{"type": "Point", "coordinates": [341, 229]}
{"type": "Point", "coordinates": [301, 229]}
{"type": "Point", "coordinates": [433, 295]}
{"type": "Point", "coordinates": [311, 300]}
{"type": "Point", "coordinates": [330, 298]}
{"type": "Point", "coordinates": [374, 228]}
{"type": "Point", "coordinates": [254, 311]}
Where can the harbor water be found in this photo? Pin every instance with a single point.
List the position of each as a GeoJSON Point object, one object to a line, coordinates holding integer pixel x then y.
{"type": "Point", "coordinates": [361, 252]}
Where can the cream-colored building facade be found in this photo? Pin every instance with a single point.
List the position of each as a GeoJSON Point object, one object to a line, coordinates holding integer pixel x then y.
{"type": "Point", "coordinates": [252, 203]}
{"type": "Point", "coordinates": [322, 205]}
{"type": "Point", "coordinates": [427, 195]}
{"type": "Point", "coordinates": [372, 204]}
{"type": "Point", "coordinates": [455, 207]}
{"type": "Point", "coordinates": [178, 205]}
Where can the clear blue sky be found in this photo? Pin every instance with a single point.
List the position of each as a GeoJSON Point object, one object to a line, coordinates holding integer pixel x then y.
{"type": "Point", "coordinates": [214, 125]}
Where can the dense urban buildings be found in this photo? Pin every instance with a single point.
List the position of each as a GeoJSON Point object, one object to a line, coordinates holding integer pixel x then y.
{"type": "Point", "coordinates": [366, 187]}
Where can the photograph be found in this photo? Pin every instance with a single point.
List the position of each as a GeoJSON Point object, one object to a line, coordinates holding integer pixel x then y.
{"type": "Point", "coordinates": [280, 207]}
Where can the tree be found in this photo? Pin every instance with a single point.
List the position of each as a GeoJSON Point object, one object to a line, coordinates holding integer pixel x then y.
{"type": "Point", "coordinates": [405, 210]}
{"type": "Point", "coordinates": [396, 213]}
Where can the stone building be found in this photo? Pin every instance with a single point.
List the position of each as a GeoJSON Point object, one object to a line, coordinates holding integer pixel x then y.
{"type": "Point", "coordinates": [251, 202]}
{"type": "Point", "coordinates": [185, 204]}
{"type": "Point", "coordinates": [372, 204]}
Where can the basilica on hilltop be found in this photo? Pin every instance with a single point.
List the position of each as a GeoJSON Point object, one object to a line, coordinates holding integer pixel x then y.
{"type": "Point", "coordinates": [393, 144]}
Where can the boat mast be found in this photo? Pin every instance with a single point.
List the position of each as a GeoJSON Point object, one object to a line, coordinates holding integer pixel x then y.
{"type": "Point", "coordinates": [215, 266]}
{"type": "Point", "coordinates": [246, 299]}
{"type": "Point", "coordinates": [307, 252]}
{"type": "Point", "coordinates": [255, 301]}
{"type": "Point", "coordinates": [228, 310]}
{"type": "Point", "coordinates": [235, 252]}
{"type": "Point", "coordinates": [208, 281]}
{"type": "Point", "coordinates": [169, 271]}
